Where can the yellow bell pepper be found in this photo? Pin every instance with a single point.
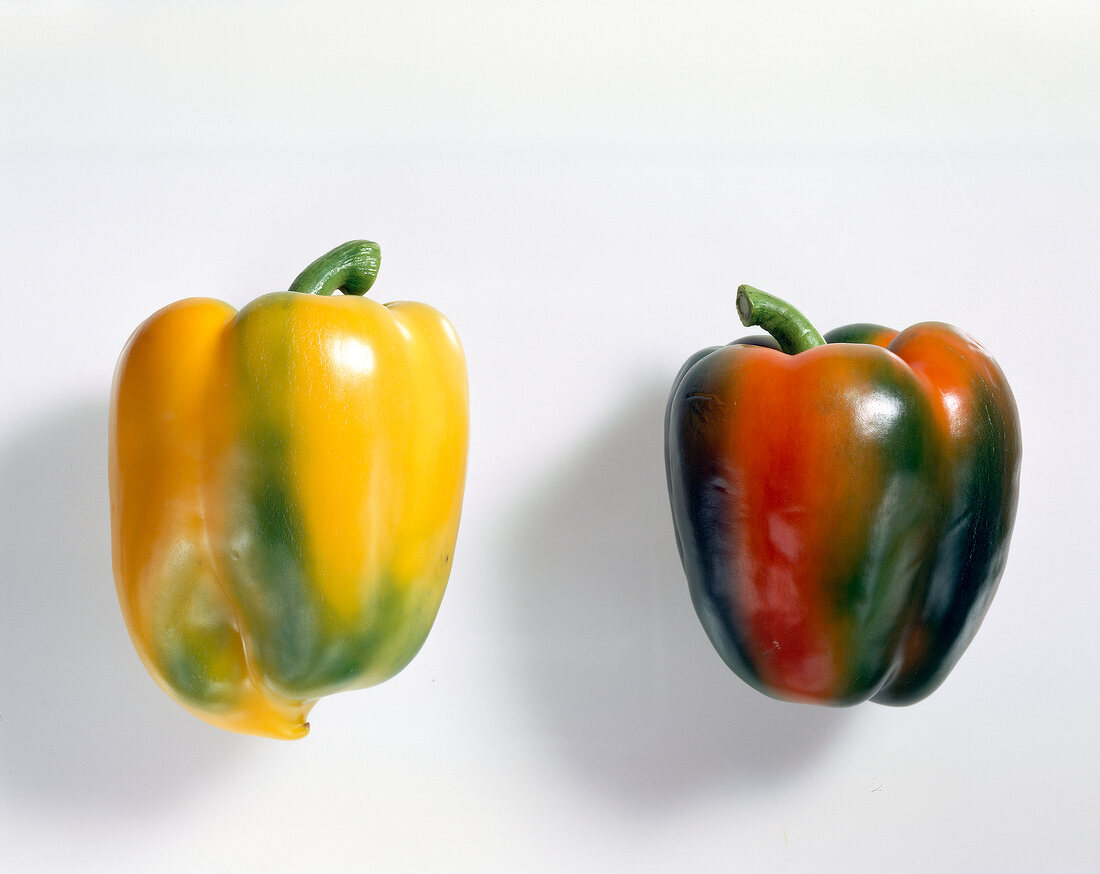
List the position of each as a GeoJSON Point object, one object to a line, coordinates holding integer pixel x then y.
{"type": "Point", "coordinates": [286, 483]}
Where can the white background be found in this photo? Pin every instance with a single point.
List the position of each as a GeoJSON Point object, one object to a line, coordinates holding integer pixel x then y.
{"type": "Point", "coordinates": [580, 187]}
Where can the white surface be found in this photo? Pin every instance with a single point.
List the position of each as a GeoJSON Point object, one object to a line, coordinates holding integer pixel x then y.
{"type": "Point", "coordinates": [580, 187]}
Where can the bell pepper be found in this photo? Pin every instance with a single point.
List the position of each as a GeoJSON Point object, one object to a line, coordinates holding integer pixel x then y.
{"type": "Point", "coordinates": [285, 483]}
{"type": "Point", "coordinates": [842, 504]}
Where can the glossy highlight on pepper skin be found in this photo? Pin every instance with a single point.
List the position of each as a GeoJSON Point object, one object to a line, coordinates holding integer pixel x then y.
{"type": "Point", "coordinates": [843, 511]}
{"type": "Point", "coordinates": [286, 486]}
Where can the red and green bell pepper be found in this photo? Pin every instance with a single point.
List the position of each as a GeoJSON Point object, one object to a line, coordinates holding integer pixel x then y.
{"type": "Point", "coordinates": [843, 504]}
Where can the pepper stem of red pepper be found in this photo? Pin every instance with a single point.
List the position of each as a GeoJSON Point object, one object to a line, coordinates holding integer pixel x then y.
{"type": "Point", "coordinates": [792, 331]}
{"type": "Point", "coordinates": [350, 268]}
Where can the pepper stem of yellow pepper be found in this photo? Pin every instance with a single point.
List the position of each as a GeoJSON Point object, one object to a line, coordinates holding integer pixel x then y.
{"type": "Point", "coordinates": [792, 331]}
{"type": "Point", "coordinates": [350, 268]}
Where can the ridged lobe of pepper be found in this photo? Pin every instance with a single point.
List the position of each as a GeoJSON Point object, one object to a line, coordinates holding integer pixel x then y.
{"type": "Point", "coordinates": [182, 624]}
{"type": "Point", "coordinates": [979, 427]}
{"type": "Point", "coordinates": [342, 505]}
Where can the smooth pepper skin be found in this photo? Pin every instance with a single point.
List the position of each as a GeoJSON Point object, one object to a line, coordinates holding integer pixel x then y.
{"type": "Point", "coordinates": [286, 483]}
{"type": "Point", "coordinates": [843, 505]}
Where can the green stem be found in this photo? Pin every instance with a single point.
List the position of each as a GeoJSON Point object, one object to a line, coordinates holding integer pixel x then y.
{"type": "Point", "coordinates": [792, 331]}
{"type": "Point", "coordinates": [350, 268]}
